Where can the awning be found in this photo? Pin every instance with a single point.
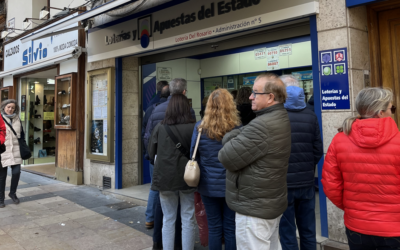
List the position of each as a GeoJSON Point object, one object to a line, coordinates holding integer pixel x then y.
{"type": "Point", "coordinates": [71, 54]}
{"type": "Point", "coordinates": [86, 15]}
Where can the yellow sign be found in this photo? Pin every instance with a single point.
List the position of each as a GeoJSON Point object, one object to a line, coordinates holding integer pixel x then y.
{"type": "Point", "coordinates": [22, 117]}
{"type": "Point", "coordinates": [48, 116]}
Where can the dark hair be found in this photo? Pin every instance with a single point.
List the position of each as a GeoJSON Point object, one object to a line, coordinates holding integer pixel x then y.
{"type": "Point", "coordinates": [165, 91]}
{"type": "Point", "coordinates": [243, 95]}
{"type": "Point", "coordinates": [234, 94]}
{"type": "Point", "coordinates": [160, 85]}
{"type": "Point", "coordinates": [178, 111]}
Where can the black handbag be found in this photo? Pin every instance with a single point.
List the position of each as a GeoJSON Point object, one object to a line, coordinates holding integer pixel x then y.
{"type": "Point", "coordinates": [23, 147]}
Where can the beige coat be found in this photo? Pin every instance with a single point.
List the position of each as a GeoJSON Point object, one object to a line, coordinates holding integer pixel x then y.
{"type": "Point", "coordinates": [12, 156]}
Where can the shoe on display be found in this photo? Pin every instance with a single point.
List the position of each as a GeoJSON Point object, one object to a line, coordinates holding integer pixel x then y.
{"type": "Point", "coordinates": [14, 198]}
{"type": "Point", "coordinates": [38, 116]}
{"type": "Point", "coordinates": [44, 100]}
{"type": "Point", "coordinates": [35, 111]}
{"type": "Point", "coordinates": [47, 130]}
{"type": "Point", "coordinates": [62, 92]}
{"type": "Point", "coordinates": [36, 129]}
{"type": "Point", "coordinates": [31, 125]}
{"type": "Point", "coordinates": [66, 106]}
{"type": "Point", "coordinates": [69, 90]}
{"type": "Point", "coordinates": [37, 140]}
{"type": "Point", "coordinates": [37, 100]}
{"type": "Point", "coordinates": [66, 118]}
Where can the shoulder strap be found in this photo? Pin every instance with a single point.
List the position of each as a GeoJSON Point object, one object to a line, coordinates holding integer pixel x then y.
{"type": "Point", "coordinates": [9, 125]}
{"type": "Point", "coordinates": [178, 145]}
{"type": "Point", "coordinates": [197, 145]}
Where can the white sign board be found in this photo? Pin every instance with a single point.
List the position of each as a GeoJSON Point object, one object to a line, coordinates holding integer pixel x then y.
{"type": "Point", "coordinates": [273, 58]}
{"type": "Point", "coordinates": [164, 74]}
{"type": "Point", "coordinates": [260, 53]}
{"type": "Point", "coordinates": [18, 54]}
{"type": "Point", "coordinates": [11, 25]}
{"type": "Point", "coordinates": [285, 50]}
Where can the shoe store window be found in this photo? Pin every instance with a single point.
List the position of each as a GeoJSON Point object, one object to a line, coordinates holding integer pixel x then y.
{"type": "Point", "coordinates": [36, 100]}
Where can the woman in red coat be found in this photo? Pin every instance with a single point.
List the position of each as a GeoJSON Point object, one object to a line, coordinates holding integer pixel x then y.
{"type": "Point", "coordinates": [361, 174]}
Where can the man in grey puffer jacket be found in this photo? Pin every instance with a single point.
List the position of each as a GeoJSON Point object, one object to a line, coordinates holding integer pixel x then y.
{"type": "Point", "coordinates": [257, 158]}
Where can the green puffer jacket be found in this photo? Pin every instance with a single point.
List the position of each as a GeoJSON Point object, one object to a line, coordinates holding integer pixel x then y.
{"type": "Point", "coordinates": [257, 158]}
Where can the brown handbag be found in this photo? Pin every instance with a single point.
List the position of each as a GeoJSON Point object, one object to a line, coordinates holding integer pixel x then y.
{"type": "Point", "coordinates": [192, 170]}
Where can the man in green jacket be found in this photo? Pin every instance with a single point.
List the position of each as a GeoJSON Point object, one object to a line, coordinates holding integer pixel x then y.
{"type": "Point", "coordinates": [256, 157]}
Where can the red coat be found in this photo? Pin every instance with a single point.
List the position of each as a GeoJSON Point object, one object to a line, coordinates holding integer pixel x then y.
{"type": "Point", "coordinates": [361, 176]}
{"type": "Point", "coordinates": [2, 131]}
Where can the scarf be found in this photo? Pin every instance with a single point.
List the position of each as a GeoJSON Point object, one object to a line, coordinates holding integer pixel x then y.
{"type": "Point", "coordinates": [9, 116]}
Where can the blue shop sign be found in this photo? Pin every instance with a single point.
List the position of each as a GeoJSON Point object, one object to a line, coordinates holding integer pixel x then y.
{"type": "Point", "coordinates": [334, 79]}
{"type": "Point", "coordinates": [303, 75]}
{"type": "Point", "coordinates": [352, 3]}
{"type": "Point", "coordinates": [249, 80]}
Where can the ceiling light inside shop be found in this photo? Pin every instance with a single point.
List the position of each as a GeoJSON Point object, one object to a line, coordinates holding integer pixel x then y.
{"type": "Point", "coordinates": [36, 82]}
{"type": "Point", "coordinates": [50, 81]}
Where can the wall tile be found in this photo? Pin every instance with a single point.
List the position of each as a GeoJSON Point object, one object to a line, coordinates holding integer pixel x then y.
{"type": "Point", "coordinates": [130, 127]}
{"type": "Point", "coordinates": [357, 17]}
{"type": "Point", "coordinates": [99, 170]}
{"type": "Point", "coordinates": [130, 151]}
{"type": "Point", "coordinates": [332, 39]}
{"type": "Point", "coordinates": [336, 227]}
{"type": "Point", "coordinates": [359, 49]}
{"type": "Point", "coordinates": [130, 81]}
{"type": "Point", "coordinates": [94, 65]}
{"type": "Point", "coordinates": [357, 83]}
{"type": "Point", "coordinates": [129, 175]}
{"type": "Point", "coordinates": [109, 63]}
{"type": "Point", "coordinates": [330, 124]}
{"type": "Point", "coordinates": [332, 14]}
{"type": "Point", "coordinates": [130, 63]}
{"type": "Point", "coordinates": [130, 104]}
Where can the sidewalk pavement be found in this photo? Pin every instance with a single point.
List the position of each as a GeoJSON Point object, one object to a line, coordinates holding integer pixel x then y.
{"type": "Point", "coordinates": [55, 215]}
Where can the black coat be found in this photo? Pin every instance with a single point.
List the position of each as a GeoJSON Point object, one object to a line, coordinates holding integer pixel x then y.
{"type": "Point", "coordinates": [246, 113]}
{"type": "Point", "coordinates": [169, 166]}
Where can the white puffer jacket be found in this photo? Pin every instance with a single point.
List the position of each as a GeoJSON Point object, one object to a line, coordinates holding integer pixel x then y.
{"type": "Point", "coordinates": [12, 156]}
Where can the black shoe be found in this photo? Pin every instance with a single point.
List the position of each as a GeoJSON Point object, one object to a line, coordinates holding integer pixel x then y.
{"type": "Point", "coordinates": [37, 129]}
{"type": "Point", "coordinates": [38, 116]}
{"type": "Point", "coordinates": [14, 198]}
{"type": "Point", "coordinates": [31, 125]}
{"type": "Point", "coordinates": [2, 205]}
{"type": "Point", "coordinates": [44, 100]}
{"type": "Point", "coordinates": [157, 246]}
{"type": "Point", "coordinates": [37, 140]}
{"type": "Point", "coordinates": [37, 100]}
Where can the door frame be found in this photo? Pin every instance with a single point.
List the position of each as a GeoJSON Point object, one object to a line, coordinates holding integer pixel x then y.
{"type": "Point", "coordinates": [373, 34]}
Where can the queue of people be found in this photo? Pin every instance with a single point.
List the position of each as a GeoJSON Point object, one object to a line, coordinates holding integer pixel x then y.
{"type": "Point", "coordinates": [257, 172]}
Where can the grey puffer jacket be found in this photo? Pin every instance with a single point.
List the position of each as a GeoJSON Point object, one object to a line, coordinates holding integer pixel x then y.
{"type": "Point", "coordinates": [169, 166]}
{"type": "Point", "coordinates": [257, 158]}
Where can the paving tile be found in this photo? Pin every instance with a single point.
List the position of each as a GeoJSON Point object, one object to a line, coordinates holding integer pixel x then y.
{"type": "Point", "coordinates": [80, 214]}
{"type": "Point", "coordinates": [50, 200]}
{"type": "Point", "coordinates": [9, 213]}
{"type": "Point", "coordinates": [137, 243]}
{"type": "Point", "coordinates": [62, 227]}
{"type": "Point", "coordinates": [103, 225]}
{"type": "Point", "coordinates": [2, 232]}
{"type": "Point", "coordinates": [39, 214]}
{"type": "Point", "coordinates": [13, 220]}
{"type": "Point", "coordinates": [71, 235]}
{"type": "Point", "coordinates": [22, 225]}
{"type": "Point", "coordinates": [26, 234]}
{"type": "Point", "coordinates": [102, 209]}
{"type": "Point", "coordinates": [6, 240]}
{"type": "Point", "coordinates": [41, 242]}
{"type": "Point", "coordinates": [51, 220]}
{"type": "Point", "coordinates": [12, 247]}
{"type": "Point", "coordinates": [88, 242]}
{"type": "Point", "coordinates": [95, 217]}
{"type": "Point", "coordinates": [120, 234]}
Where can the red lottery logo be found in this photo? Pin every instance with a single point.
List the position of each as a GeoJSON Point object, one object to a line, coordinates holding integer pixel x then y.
{"type": "Point", "coordinates": [339, 57]}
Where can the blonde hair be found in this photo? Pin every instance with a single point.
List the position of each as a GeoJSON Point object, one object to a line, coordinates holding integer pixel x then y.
{"type": "Point", "coordinates": [369, 103]}
{"type": "Point", "coordinates": [221, 115]}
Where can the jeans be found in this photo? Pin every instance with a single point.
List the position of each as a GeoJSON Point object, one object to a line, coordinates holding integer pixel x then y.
{"type": "Point", "coordinates": [221, 223]}
{"type": "Point", "coordinates": [300, 212]}
{"type": "Point", "coordinates": [16, 173]}
{"type": "Point", "coordinates": [153, 196]}
{"type": "Point", "coordinates": [169, 204]}
{"type": "Point", "coordinates": [359, 241]}
{"type": "Point", "coordinates": [256, 233]}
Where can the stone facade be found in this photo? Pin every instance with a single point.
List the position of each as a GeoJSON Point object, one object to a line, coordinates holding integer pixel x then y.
{"type": "Point", "coordinates": [339, 27]}
{"type": "Point", "coordinates": [94, 171]}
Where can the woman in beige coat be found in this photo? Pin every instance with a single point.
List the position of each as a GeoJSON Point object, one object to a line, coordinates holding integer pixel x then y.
{"type": "Point", "coordinates": [12, 156]}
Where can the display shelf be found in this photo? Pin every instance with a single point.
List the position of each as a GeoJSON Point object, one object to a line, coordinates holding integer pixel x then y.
{"type": "Point", "coordinates": [65, 94]}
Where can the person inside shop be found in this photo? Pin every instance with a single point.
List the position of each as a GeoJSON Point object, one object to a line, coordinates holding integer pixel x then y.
{"type": "Point", "coordinates": [203, 104]}
{"type": "Point", "coordinates": [361, 172]}
{"type": "Point", "coordinates": [244, 105]}
{"type": "Point", "coordinates": [256, 157]}
{"type": "Point", "coordinates": [176, 128]}
{"type": "Point", "coordinates": [156, 99]}
{"type": "Point", "coordinates": [221, 116]}
{"type": "Point", "coordinates": [12, 156]}
{"type": "Point", "coordinates": [153, 195]}
{"type": "Point", "coordinates": [234, 94]}
{"type": "Point", "coordinates": [306, 151]}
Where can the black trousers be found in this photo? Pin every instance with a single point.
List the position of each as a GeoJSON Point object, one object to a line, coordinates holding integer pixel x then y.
{"type": "Point", "coordinates": [359, 241]}
{"type": "Point", "coordinates": [16, 173]}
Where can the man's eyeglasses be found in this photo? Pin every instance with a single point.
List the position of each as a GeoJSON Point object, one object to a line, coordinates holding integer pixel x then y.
{"type": "Point", "coordinates": [255, 94]}
{"type": "Point", "coordinates": [393, 109]}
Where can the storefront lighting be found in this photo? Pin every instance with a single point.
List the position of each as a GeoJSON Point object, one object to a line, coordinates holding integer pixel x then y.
{"type": "Point", "coordinates": [50, 81]}
{"type": "Point", "coordinates": [37, 82]}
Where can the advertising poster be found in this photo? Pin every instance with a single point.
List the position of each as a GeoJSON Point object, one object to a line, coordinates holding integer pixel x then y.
{"type": "Point", "coordinates": [334, 79]}
{"type": "Point", "coordinates": [273, 58]}
{"type": "Point", "coordinates": [249, 80]}
{"type": "Point", "coordinates": [260, 53]}
{"type": "Point", "coordinates": [97, 137]}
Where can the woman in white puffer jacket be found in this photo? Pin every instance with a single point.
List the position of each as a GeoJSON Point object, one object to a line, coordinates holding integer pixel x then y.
{"type": "Point", "coordinates": [12, 156]}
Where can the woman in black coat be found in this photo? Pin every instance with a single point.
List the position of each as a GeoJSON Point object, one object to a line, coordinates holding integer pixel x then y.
{"type": "Point", "coordinates": [169, 169]}
{"type": "Point", "coordinates": [243, 105]}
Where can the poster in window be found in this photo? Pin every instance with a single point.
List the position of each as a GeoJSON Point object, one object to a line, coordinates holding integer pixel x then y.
{"type": "Point", "coordinates": [97, 137]}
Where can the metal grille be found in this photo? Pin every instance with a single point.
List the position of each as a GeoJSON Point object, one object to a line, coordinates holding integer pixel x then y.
{"type": "Point", "coordinates": [106, 182]}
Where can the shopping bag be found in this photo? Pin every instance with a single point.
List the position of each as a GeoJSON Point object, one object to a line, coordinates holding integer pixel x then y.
{"type": "Point", "coordinates": [201, 218]}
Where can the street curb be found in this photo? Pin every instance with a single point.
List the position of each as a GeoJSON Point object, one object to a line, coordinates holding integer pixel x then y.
{"type": "Point", "coordinates": [136, 201]}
